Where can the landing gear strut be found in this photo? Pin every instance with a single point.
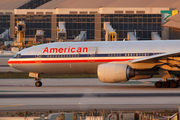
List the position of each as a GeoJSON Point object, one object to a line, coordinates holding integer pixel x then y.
{"type": "Point", "coordinates": [38, 83]}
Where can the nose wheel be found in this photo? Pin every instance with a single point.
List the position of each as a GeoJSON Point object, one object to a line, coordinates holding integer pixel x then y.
{"type": "Point", "coordinates": [38, 84]}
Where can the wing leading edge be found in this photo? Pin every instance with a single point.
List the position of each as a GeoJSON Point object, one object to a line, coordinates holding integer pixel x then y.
{"type": "Point", "coordinates": [156, 58]}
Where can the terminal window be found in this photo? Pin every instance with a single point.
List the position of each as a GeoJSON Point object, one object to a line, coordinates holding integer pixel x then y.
{"type": "Point", "coordinates": [143, 24]}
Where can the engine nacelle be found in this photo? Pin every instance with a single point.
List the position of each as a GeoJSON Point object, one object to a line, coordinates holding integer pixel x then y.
{"type": "Point", "coordinates": [112, 72]}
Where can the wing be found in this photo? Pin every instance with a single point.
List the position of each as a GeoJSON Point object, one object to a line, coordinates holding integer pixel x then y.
{"type": "Point", "coordinates": [168, 61]}
{"type": "Point", "coordinates": [156, 58]}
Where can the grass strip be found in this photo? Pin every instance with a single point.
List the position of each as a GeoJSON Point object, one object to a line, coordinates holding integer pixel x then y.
{"type": "Point", "coordinates": [26, 75]}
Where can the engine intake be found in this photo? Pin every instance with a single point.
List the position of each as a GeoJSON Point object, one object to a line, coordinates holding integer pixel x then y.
{"type": "Point", "coordinates": [112, 72]}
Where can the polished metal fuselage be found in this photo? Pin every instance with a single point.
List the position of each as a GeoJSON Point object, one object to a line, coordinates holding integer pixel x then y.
{"type": "Point", "coordinates": [64, 58]}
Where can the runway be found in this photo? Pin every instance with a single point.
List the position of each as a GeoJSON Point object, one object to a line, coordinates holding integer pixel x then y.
{"type": "Point", "coordinates": [85, 94]}
{"type": "Point", "coordinates": [89, 95]}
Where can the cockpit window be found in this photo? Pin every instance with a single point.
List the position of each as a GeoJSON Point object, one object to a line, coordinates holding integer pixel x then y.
{"type": "Point", "coordinates": [17, 55]}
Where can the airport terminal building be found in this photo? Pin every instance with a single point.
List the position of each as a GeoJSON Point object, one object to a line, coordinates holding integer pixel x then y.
{"type": "Point", "coordinates": [101, 20]}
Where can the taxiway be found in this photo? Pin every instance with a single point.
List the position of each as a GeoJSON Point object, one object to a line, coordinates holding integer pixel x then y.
{"type": "Point", "coordinates": [84, 94]}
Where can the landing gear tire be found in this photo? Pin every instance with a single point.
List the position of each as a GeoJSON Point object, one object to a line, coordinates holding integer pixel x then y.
{"type": "Point", "coordinates": [178, 81]}
{"type": "Point", "coordinates": [158, 84]}
{"type": "Point", "coordinates": [38, 84]}
{"type": "Point", "coordinates": [173, 84]}
{"type": "Point", "coordinates": [166, 84]}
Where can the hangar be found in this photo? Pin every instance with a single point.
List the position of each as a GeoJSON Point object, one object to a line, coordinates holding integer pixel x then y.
{"type": "Point", "coordinates": [77, 20]}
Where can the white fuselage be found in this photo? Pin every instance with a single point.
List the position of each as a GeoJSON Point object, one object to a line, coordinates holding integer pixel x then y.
{"type": "Point", "coordinates": [84, 57]}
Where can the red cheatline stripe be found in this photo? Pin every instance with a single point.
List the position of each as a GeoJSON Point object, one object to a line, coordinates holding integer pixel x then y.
{"type": "Point", "coordinates": [65, 61]}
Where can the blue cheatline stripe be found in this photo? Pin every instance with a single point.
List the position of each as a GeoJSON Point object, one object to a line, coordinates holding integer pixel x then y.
{"type": "Point", "coordinates": [88, 55]}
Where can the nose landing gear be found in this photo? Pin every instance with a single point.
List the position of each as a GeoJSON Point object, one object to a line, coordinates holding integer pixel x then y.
{"type": "Point", "coordinates": [38, 83]}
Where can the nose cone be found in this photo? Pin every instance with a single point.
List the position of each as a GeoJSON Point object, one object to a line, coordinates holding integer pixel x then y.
{"type": "Point", "coordinates": [10, 62]}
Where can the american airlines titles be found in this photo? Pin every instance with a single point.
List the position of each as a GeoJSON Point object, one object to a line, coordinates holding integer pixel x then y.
{"type": "Point", "coordinates": [65, 50]}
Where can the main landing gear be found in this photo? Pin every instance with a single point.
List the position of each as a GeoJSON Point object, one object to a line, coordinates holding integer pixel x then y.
{"type": "Point", "coordinates": [167, 84]}
{"type": "Point", "coordinates": [38, 83]}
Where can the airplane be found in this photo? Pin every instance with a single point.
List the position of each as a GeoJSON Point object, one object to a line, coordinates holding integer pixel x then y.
{"type": "Point", "coordinates": [112, 61]}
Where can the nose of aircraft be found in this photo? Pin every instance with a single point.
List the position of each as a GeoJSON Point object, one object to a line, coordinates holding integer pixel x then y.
{"type": "Point", "coordinates": [9, 62]}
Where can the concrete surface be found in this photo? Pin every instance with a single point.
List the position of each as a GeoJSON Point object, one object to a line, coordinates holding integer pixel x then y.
{"type": "Point", "coordinates": [85, 94]}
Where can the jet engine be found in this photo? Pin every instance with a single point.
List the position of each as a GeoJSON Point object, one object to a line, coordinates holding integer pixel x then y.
{"type": "Point", "coordinates": [112, 72]}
